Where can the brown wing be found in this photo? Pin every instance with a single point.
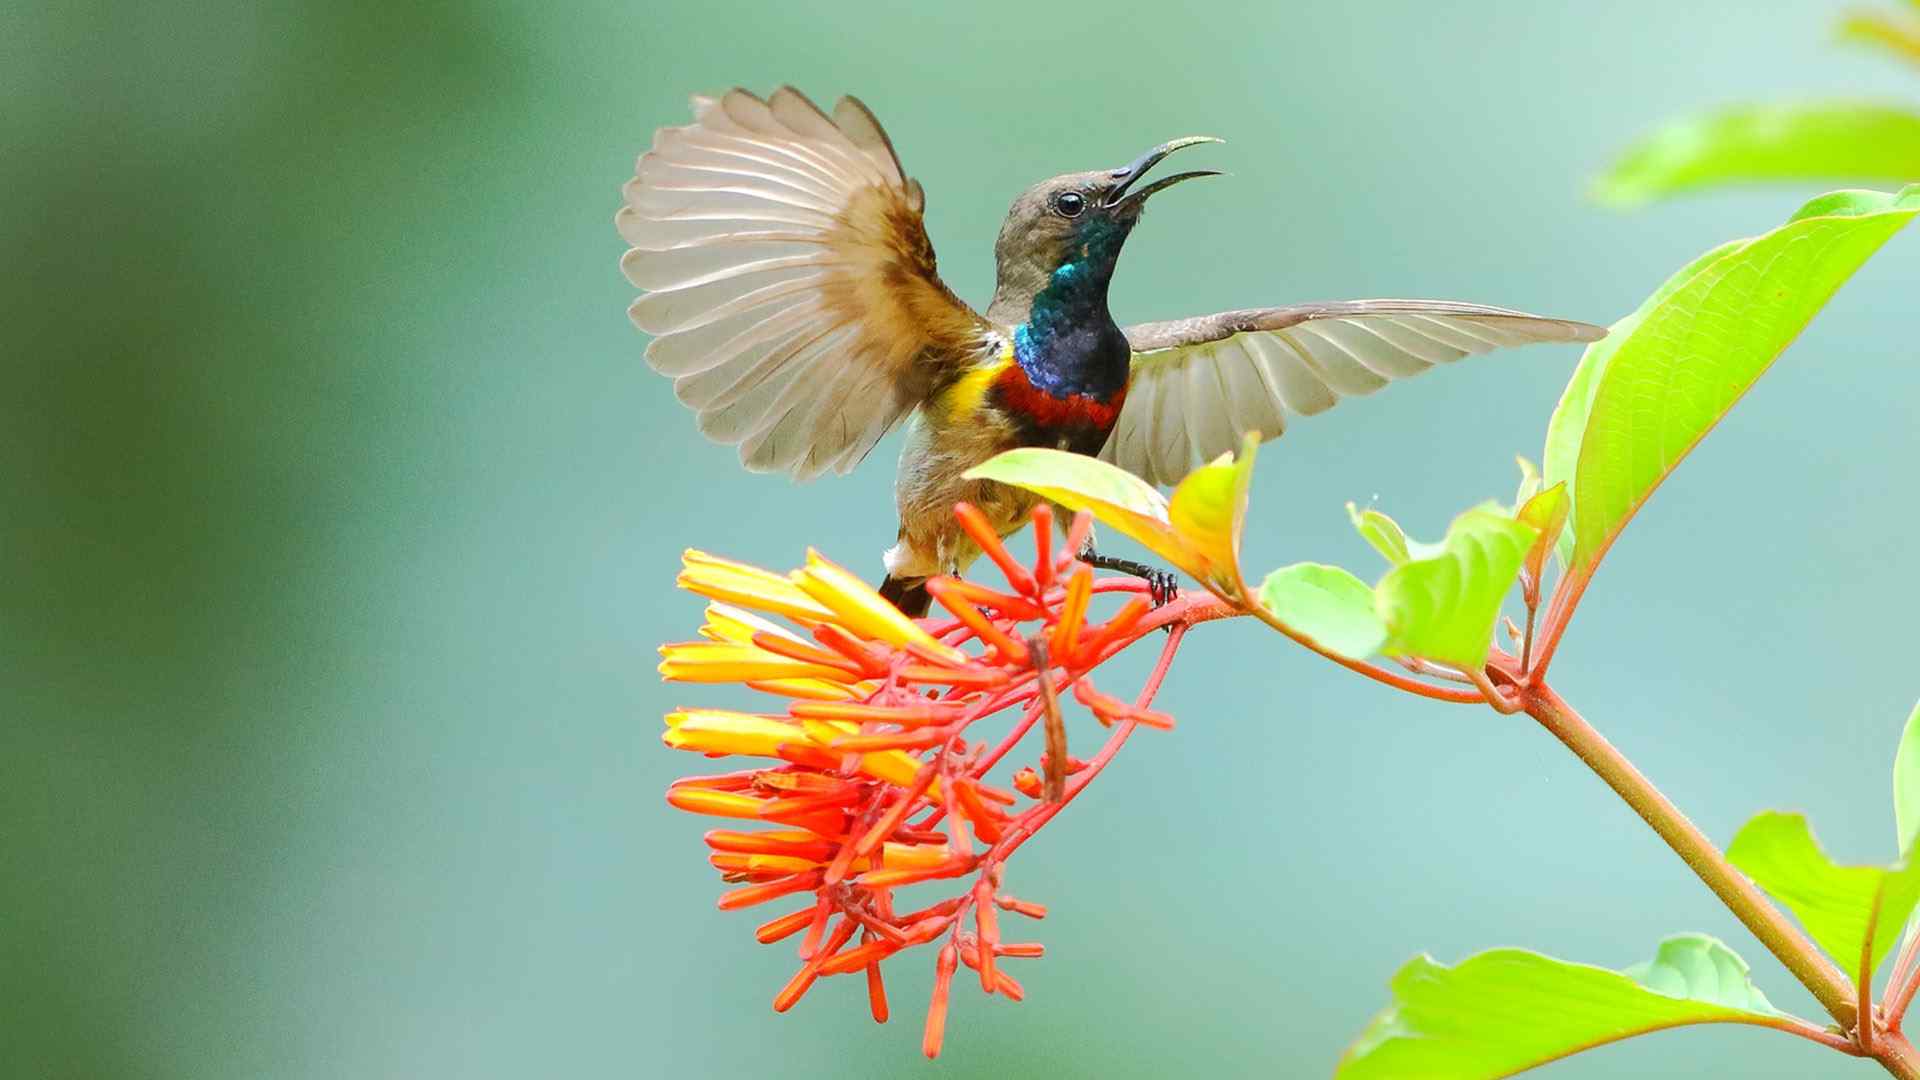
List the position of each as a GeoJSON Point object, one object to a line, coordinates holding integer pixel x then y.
{"type": "Point", "coordinates": [1199, 384]}
{"type": "Point", "coordinates": [790, 286]}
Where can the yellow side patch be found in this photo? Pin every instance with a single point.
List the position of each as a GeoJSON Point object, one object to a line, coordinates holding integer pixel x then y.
{"type": "Point", "coordinates": [967, 393]}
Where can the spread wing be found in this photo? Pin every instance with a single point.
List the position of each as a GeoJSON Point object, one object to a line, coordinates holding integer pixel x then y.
{"type": "Point", "coordinates": [790, 285]}
{"type": "Point", "coordinates": [1199, 384]}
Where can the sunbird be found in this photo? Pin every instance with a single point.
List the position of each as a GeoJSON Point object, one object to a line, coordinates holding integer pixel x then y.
{"type": "Point", "coordinates": [791, 293]}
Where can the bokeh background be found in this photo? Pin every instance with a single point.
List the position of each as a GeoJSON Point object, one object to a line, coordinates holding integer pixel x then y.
{"type": "Point", "coordinates": [340, 517]}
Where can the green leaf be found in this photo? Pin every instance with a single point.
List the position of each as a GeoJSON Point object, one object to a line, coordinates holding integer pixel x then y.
{"type": "Point", "coordinates": [1529, 481]}
{"type": "Point", "coordinates": [1382, 532]}
{"type": "Point", "coordinates": [1327, 604]}
{"type": "Point", "coordinates": [1208, 510]}
{"type": "Point", "coordinates": [1829, 140]}
{"type": "Point", "coordinates": [1569, 420]}
{"type": "Point", "coordinates": [1443, 607]}
{"type": "Point", "coordinates": [1197, 531]}
{"type": "Point", "coordinates": [1507, 1010]}
{"type": "Point", "coordinates": [1906, 783]}
{"type": "Point", "coordinates": [1845, 909]}
{"type": "Point", "coordinates": [1695, 352]}
{"type": "Point", "coordinates": [1546, 511]}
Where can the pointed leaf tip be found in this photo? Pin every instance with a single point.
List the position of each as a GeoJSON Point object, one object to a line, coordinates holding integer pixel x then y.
{"type": "Point", "coordinates": [1443, 607]}
{"type": "Point", "coordinates": [1644, 397]}
{"type": "Point", "coordinates": [1845, 909]}
{"type": "Point", "coordinates": [1382, 532]}
{"type": "Point", "coordinates": [1504, 1011]}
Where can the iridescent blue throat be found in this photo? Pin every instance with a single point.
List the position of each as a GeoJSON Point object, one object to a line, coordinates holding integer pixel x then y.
{"type": "Point", "coordinates": [1069, 343]}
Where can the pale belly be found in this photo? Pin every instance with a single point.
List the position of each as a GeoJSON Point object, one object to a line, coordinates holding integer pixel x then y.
{"type": "Point", "coordinates": [929, 483]}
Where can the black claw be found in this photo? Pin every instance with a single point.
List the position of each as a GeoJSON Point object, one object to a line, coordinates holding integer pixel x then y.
{"type": "Point", "coordinates": [1162, 585]}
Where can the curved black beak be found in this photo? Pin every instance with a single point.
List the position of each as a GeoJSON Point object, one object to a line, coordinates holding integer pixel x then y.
{"type": "Point", "coordinates": [1128, 175]}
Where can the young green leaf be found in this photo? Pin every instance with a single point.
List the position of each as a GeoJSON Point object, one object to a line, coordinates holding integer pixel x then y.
{"type": "Point", "coordinates": [1382, 532]}
{"type": "Point", "coordinates": [1443, 607]}
{"type": "Point", "coordinates": [1698, 350]}
{"type": "Point", "coordinates": [1846, 909]}
{"type": "Point", "coordinates": [1327, 604]}
{"type": "Point", "coordinates": [1547, 512]}
{"type": "Point", "coordinates": [1569, 420]}
{"type": "Point", "coordinates": [1208, 511]}
{"type": "Point", "coordinates": [1504, 1011]}
{"type": "Point", "coordinates": [1529, 481]}
{"type": "Point", "coordinates": [1836, 140]}
{"type": "Point", "coordinates": [1119, 499]}
{"type": "Point", "coordinates": [1198, 531]}
{"type": "Point", "coordinates": [1906, 783]}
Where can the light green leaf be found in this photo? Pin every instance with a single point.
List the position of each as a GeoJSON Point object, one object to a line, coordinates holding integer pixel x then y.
{"type": "Point", "coordinates": [1698, 350]}
{"type": "Point", "coordinates": [1529, 481]}
{"type": "Point", "coordinates": [1443, 607]}
{"type": "Point", "coordinates": [1845, 909]}
{"type": "Point", "coordinates": [1569, 420]}
{"type": "Point", "coordinates": [1547, 513]}
{"type": "Point", "coordinates": [1327, 604]}
{"type": "Point", "coordinates": [1906, 796]}
{"type": "Point", "coordinates": [1504, 1011]}
{"type": "Point", "coordinates": [1208, 511]}
{"type": "Point", "coordinates": [1906, 783]}
{"type": "Point", "coordinates": [1197, 531]}
{"type": "Point", "coordinates": [1382, 532]}
{"type": "Point", "coordinates": [1815, 141]}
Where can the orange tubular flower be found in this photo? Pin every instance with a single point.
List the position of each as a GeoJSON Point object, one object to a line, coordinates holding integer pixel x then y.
{"type": "Point", "coordinates": [875, 773]}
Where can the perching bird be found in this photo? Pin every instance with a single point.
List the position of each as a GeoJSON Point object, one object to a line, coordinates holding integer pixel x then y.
{"type": "Point", "coordinates": [791, 291]}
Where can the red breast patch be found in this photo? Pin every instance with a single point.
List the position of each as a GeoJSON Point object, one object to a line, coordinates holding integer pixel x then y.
{"type": "Point", "coordinates": [1018, 394]}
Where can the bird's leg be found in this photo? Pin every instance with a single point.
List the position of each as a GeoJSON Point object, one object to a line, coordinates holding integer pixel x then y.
{"type": "Point", "coordinates": [1162, 585]}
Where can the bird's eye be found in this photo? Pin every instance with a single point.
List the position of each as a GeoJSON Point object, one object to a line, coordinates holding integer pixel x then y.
{"type": "Point", "coordinates": [1070, 204]}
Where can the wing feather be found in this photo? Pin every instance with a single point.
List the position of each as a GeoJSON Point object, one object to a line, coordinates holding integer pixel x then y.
{"type": "Point", "coordinates": [663, 313]}
{"type": "Point", "coordinates": [712, 345]}
{"type": "Point", "coordinates": [788, 280]}
{"type": "Point", "coordinates": [1199, 384]}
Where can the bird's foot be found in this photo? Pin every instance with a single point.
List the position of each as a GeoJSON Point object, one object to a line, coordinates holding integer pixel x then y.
{"type": "Point", "coordinates": [1162, 585]}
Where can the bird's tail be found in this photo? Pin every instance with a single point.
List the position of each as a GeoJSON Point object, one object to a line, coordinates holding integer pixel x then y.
{"type": "Point", "coordinates": [907, 594]}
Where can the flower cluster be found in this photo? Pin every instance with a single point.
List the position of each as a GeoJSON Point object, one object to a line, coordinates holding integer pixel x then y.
{"type": "Point", "coordinates": [878, 776]}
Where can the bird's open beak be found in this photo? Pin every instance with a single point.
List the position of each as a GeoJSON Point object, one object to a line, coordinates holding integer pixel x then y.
{"type": "Point", "coordinates": [1131, 173]}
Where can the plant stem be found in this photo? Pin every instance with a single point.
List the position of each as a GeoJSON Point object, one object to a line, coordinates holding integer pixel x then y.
{"type": "Point", "coordinates": [1458, 695]}
{"type": "Point", "coordinates": [1899, 995]}
{"type": "Point", "coordinates": [1896, 1055]}
{"type": "Point", "coordinates": [1817, 973]}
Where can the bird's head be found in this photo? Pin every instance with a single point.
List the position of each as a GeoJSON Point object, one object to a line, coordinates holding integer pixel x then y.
{"type": "Point", "coordinates": [1075, 224]}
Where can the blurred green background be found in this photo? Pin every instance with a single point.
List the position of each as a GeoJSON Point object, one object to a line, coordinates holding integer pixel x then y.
{"type": "Point", "coordinates": [341, 515]}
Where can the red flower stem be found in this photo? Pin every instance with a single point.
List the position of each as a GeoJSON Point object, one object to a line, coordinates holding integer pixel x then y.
{"type": "Point", "coordinates": [1029, 823]}
{"type": "Point", "coordinates": [1013, 737]}
{"type": "Point", "coordinates": [1817, 973]}
{"type": "Point", "coordinates": [1185, 610]}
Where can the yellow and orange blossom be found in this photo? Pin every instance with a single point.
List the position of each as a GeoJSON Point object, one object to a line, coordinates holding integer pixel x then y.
{"type": "Point", "coordinates": [870, 780]}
